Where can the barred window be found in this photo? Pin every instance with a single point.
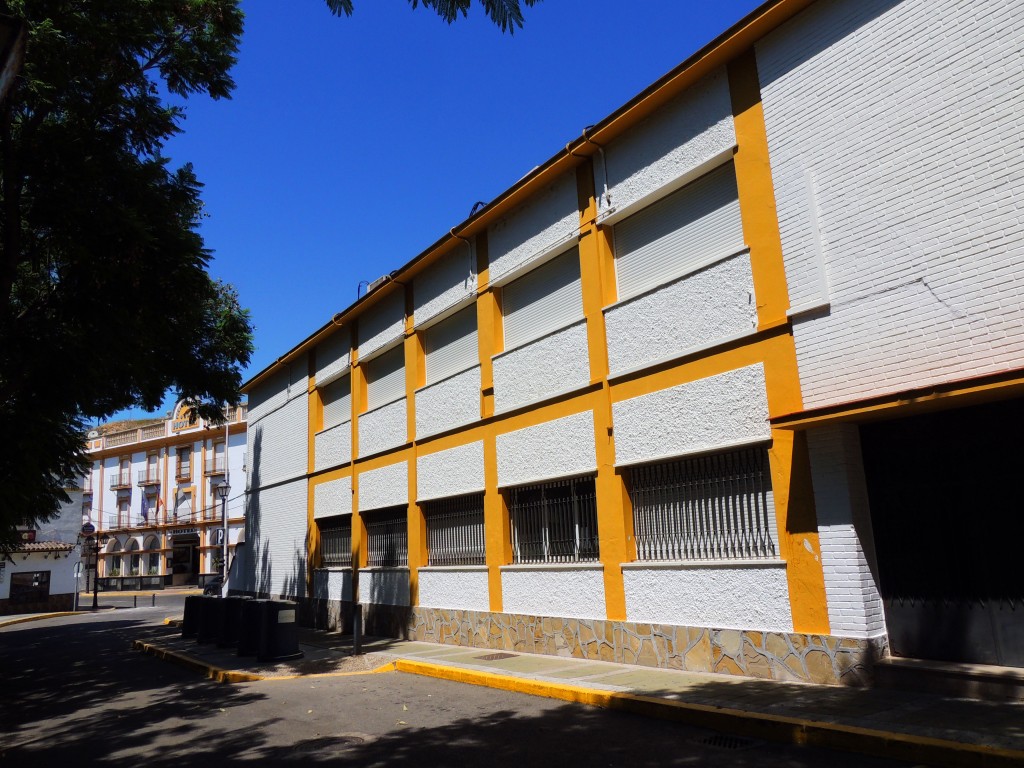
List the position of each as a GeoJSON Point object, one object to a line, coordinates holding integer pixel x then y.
{"type": "Point", "coordinates": [455, 530]}
{"type": "Point", "coordinates": [714, 507]}
{"type": "Point", "coordinates": [554, 522]}
{"type": "Point", "coordinates": [336, 541]}
{"type": "Point", "coordinates": [387, 538]}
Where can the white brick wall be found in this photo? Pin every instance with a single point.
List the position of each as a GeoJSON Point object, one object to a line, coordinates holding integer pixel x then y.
{"type": "Point", "coordinates": [844, 530]}
{"type": "Point", "coordinates": [908, 118]}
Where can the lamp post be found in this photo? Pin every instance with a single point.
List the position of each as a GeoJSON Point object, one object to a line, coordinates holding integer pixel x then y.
{"type": "Point", "coordinates": [223, 490]}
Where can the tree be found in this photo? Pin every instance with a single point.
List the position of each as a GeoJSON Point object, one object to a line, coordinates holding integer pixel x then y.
{"type": "Point", "coordinates": [505, 13]}
{"type": "Point", "coordinates": [105, 301]}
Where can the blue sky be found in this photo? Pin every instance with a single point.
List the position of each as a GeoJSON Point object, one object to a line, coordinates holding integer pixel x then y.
{"type": "Point", "coordinates": [352, 144]}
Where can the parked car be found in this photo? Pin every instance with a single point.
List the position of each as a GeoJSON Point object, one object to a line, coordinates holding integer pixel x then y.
{"type": "Point", "coordinates": [214, 586]}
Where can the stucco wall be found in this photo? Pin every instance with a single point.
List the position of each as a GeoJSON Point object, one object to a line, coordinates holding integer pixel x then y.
{"type": "Point", "coordinates": [714, 303]}
{"type": "Point", "coordinates": [449, 403]}
{"type": "Point", "coordinates": [655, 155]}
{"type": "Point", "coordinates": [61, 569]}
{"type": "Point", "coordinates": [443, 284]}
{"type": "Point", "coordinates": [333, 498]}
{"type": "Point", "coordinates": [332, 355]}
{"type": "Point", "coordinates": [910, 186]}
{"type": "Point", "coordinates": [383, 322]}
{"type": "Point", "coordinates": [547, 366]}
{"type": "Point", "coordinates": [333, 446]}
{"type": "Point", "coordinates": [384, 586]}
{"type": "Point", "coordinates": [382, 428]}
{"type": "Point", "coordinates": [556, 448]}
{"type": "Point", "coordinates": [332, 584]}
{"type": "Point", "coordinates": [450, 473]}
{"type": "Point", "coordinates": [558, 591]}
{"type": "Point", "coordinates": [459, 588]}
{"type": "Point", "coordinates": [724, 597]}
{"type": "Point", "coordinates": [700, 415]}
{"type": "Point", "coordinates": [548, 218]}
{"type": "Point", "coordinates": [384, 487]}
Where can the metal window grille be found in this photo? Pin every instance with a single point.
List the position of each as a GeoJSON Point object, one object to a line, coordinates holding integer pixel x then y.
{"type": "Point", "coordinates": [455, 530]}
{"type": "Point", "coordinates": [387, 538]}
{"type": "Point", "coordinates": [336, 542]}
{"type": "Point", "coordinates": [715, 507]}
{"type": "Point", "coordinates": [554, 522]}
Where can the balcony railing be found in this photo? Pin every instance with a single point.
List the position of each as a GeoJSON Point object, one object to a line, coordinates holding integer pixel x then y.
{"type": "Point", "coordinates": [233, 415]}
{"type": "Point", "coordinates": [216, 466]}
{"type": "Point", "coordinates": [87, 484]}
{"type": "Point", "coordinates": [117, 520]}
{"type": "Point", "coordinates": [184, 471]}
{"type": "Point", "coordinates": [121, 479]}
{"type": "Point", "coordinates": [149, 476]}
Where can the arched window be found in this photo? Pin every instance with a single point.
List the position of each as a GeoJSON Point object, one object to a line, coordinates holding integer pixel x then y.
{"type": "Point", "coordinates": [135, 557]}
{"type": "Point", "coordinates": [153, 558]}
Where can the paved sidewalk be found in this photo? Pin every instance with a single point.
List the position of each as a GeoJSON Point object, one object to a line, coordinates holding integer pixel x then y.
{"type": "Point", "coordinates": [917, 727]}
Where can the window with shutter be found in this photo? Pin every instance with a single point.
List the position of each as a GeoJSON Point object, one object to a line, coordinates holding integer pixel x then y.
{"type": "Point", "coordinates": [543, 300]}
{"type": "Point", "coordinates": [450, 346]}
{"type": "Point", "coordinates": [337, 398]}
{"type": "Point", "coordinates": [385, 378]}
{"type": "Point", "coordinates": [678, 234]}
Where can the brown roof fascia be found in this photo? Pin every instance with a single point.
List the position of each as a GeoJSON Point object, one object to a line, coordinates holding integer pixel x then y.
{"type": "Point", "coordinates": [720, 51]}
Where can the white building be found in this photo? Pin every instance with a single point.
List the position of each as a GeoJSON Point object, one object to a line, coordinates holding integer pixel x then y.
{"type": "Point", "coordinates": [733, 382]}
{"type": "Point", "coordinates": [152, 497]}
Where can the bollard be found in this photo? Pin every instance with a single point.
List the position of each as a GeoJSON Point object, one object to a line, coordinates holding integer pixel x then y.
{"type": "Point", "coordinates": [152, 601]}
{"type": "Point", "coordinates": [135, 601]}
{"type": "Point", "coordinates": [357, 629]}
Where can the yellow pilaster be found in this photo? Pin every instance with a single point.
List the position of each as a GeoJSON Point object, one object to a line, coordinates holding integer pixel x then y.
{"type": "Point", "coordinates": [614, 525]}
{"type": "Point", "coordinates": [358, 400]}
{"type": "Point", "coordinates": [497, 530]}
{"type": "Point", "coordinates": [489, 328]}
{"type": "Point", "coordinates": [415, 377]}
{"type": "Point", "coordinates": [315, 422]}
{"type": "Point", "coordinates": [790, 467]}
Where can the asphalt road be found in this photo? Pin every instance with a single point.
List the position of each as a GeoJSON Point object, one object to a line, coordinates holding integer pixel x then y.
{"type": "Point", "coordinates": [74, 693]}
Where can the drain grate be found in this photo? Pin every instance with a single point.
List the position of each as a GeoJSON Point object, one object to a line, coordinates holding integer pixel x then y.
{"type": "Point", "coordinates": [495, 656]}
{"type": "Point", "coordinates": [725, 741]}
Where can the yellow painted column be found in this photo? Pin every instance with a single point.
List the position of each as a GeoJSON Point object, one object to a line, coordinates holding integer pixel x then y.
{"type": "Point", "coordinates": [358, 400]}
{"type": "Point", "coordinates": [790, 467]}
{"type": "Point", "coordinates": [614, 523]}
{"type": "Point", "coordinates": [415, 377]}
{"type": "Point", "coordinates": [491, 341]}
{"type": "Point", "coordinates": [315, 422]}
{"type": "Point", "coordinates": [490, 336]}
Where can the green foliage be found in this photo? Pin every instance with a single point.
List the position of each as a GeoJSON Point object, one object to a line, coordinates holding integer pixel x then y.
{"type": "Point", "coordinates": [105, 301]}
{"type": "Point", "coordinates": [507, 14]}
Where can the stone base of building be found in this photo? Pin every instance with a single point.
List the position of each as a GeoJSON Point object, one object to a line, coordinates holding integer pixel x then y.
{"type": "Point", "coordinates": [788, 656]}
{"type": "Point", "coordinates": [791, 656]}
{"type": "Point", "coordinates": [53, 604]}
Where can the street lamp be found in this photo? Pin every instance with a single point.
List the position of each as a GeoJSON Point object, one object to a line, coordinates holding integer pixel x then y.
{"type": "Point", "coordinates": [223, 490]}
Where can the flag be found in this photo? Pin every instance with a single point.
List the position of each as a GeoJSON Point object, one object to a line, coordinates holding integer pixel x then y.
{"type": "Point", "coordinates": [142, 507]}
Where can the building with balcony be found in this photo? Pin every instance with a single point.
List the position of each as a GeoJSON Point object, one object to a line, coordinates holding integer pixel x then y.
{"type": "Point", "coordinates": [727, 384]}
{"type": "Point", "coordinates": [152, 496]}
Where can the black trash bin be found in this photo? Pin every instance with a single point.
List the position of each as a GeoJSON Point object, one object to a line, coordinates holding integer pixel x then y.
{"type": "Point", "coordinates": [229, 628]}
{"type": "Point", "coordinates": [252, 627]}
{"type": "Point", "coordinates": [209, 618]}
{"type": "Point", "coordinates": [190, 621]}
{"type": "Point", "coordinates": [279, 639]}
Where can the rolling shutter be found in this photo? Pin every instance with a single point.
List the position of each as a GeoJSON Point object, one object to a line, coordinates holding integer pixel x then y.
{"type": "Point", "coordinates": [337, 402]}
{"type": "Point", "coordinates": [450, 346]}
{"type": "Point", "coordinates": [678, 233]}
{"type": "Point", "coordinates": [543, 300]}
{"type": "Point", "coordinates": [385, 378]}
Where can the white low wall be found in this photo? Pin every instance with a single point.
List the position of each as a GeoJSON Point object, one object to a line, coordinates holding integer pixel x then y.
{"type": "Point", "coordinates": [564, 591]}
{"type": "Point", "coordinates": [384, 586]}
{"type": "Point", "coordinates": [457, 588]}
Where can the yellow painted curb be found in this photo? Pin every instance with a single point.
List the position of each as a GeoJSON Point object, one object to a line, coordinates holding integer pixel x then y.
{"type": "Point", "coordinates": [792, 730]}
{"type": "Point", "coordinates": [40, 617]}
{"type": "Point", "coordinates": [389, 667]}
{"type": "Point", "coordinates": [208, 670]}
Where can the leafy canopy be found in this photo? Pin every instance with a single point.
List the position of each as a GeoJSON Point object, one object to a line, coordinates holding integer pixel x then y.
{"type": "Point", "coordinates": [105, 301]}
